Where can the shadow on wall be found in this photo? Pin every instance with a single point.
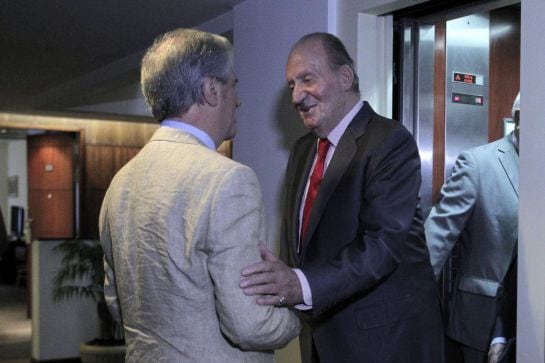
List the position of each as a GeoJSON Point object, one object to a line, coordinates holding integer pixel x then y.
{"type": "Point", "coordinates": [290, 126]}
{"type": "Point", "coordinates": [290, 129]}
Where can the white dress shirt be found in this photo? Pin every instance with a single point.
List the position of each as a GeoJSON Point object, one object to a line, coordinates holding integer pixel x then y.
{"type": "Point", "coordinates": [334, 137]}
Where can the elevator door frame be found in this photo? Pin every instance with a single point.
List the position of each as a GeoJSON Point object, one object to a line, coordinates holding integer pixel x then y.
{"type": "Point", "coordinates": [428, 124]}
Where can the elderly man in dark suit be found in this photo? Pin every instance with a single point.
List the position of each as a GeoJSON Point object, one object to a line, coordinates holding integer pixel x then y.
{"type": "Point", "coordinates": [361, 275]}
{"type": "Point", "coordinates": [478, 208]}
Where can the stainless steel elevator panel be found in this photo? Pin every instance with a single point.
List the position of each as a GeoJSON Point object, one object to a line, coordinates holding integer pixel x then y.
{"type": "Point", "coordinates": [417, 97]}
{"type": "Point", "coordinates": [424, 110]}
{"type": "Point", "coordinates": [467, 52]}
{"type": "Point", "coordinates": [408, 88]}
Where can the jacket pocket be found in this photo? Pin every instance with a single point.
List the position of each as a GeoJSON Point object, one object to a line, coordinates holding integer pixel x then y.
{"type": "Point", "coordinates": [478, 285]}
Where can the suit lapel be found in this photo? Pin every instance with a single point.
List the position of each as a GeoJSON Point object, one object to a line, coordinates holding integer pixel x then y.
{"type": "Point", "coordinates": [344, 154]}
{"type": "Point", "coordinates": [508, 158]}
{"type": "Point", "coordinates": [303, 159]}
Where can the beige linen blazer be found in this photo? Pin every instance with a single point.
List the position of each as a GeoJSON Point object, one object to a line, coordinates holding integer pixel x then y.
{"type": "Point", "coordinates": [178, 224]}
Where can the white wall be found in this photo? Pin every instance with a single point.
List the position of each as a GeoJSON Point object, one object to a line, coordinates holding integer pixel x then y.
{"type": "Point", "coordinates": [17, 166]}
{"type": "Point", "coordinates": [57, 328]}
{"type": "Point", "coordinates": [531, 277]}
{"type": "Point", "coordinates": [267, 125]}
{"type": "Point", "coordinates": [375, 59]}
{"type": "Point", "coordinates": [13, 162]}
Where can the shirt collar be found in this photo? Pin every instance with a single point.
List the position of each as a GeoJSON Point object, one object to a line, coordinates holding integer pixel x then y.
{"type": "Point", "coordinates": [336, 134]}
{"type": "Point", "coordinates": [202, 136]}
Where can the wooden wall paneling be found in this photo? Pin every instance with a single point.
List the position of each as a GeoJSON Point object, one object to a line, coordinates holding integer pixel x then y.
{"type": "Point", "coordinates": [97, 131]}
{"type": "Point", "coordinates": [102, 162]}
{"type": "Point", "coordinates": [123, 155]}
{"type": "Point", "coordinates": [438, 177]}
{"type": "Point", "coordinates": [91, 203]}
{"type": "Point", "coordinates": [118, 133]}
{"type": "Point", "coordinates": [99, 165]}
{"type": "Point", "coordinates": [102, 138]}
{"type": "Point", "coordinates": [80, 178]}
{"type": "Point", "coordinates": [504, 67]}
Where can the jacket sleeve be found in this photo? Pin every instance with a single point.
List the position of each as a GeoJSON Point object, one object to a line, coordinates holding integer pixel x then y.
{"type": "Point", "coordinates": [449, 216]}
{"type": "Point", "coordinates": [236, 226]}
{"type": "Point", "coordinates": [110, 288]}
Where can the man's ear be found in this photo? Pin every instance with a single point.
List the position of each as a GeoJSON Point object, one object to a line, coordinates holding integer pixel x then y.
{"type": "Point", "coordinates": [210, 91]}
{"type": "Point", "coordinates": [347, 77]}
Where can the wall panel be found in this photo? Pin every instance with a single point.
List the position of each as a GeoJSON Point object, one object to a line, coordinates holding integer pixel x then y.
{"type": "Point", "coordinates": [504, 67]}
{"type": "Point", "coordinates": [107, 146]}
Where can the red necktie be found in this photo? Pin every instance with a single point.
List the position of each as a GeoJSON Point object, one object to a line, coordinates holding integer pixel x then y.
{"type": "Point", "coordinates": [315, 180]}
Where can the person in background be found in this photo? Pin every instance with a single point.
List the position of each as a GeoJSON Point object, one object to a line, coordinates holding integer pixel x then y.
{"type": "Point", "coordinates": [479, 209]}
{"type": "Point", "coordinates": [180, 221]}
{"type": "Point", "coordinates": [352, 236]}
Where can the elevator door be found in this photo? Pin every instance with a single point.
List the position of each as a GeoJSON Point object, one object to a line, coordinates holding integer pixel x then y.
{"type": "Point", "coordinates": [458, 77]}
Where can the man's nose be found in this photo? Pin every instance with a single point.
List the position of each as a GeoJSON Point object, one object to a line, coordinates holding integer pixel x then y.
{"type": "Point", "coordinates": [297, 94]}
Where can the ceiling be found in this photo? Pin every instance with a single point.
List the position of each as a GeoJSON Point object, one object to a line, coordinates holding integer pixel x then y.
{"type": "Point", "coordinates": [56, 53]}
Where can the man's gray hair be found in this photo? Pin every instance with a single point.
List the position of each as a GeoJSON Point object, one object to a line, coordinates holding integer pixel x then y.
{"type": "Point", "coordinates": [336, 52]}
{"type": "Point", "coordinates": [175, 67]}
{"type": "Point", "coordinates": [516, 105]}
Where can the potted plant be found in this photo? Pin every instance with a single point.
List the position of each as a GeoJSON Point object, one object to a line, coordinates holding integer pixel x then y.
{"type": "Point", "coordinates": [82, 276]}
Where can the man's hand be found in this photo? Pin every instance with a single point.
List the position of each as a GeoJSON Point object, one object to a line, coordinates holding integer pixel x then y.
{"type": "Point", "coordinates": [271, 280]}
{"type": "Point", "coordinates": [495, 352]}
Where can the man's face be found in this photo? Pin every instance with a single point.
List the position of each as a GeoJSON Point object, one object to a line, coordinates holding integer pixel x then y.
{"type": "Point", "coordinates": [318, 92]}
{"type": "Point", "coordinates": [230, 104]}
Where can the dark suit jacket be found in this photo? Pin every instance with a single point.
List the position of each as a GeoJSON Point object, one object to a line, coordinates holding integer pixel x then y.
{"type": "Point", "coordinates": [374, 295]}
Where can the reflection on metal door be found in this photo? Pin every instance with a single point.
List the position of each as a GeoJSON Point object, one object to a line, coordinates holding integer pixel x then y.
{"type": "Point", "coordinates": [466, 103]}
{"type": "Point", "coordinates": [457, 80]}
{"type": "Point", "coordinates": [465, 123]}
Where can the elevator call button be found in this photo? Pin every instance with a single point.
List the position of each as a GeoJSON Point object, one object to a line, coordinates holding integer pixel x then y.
{"type": "Point", "coordinates": [467, 99]}
{"type": "Point", "coordinates": [467, 78]}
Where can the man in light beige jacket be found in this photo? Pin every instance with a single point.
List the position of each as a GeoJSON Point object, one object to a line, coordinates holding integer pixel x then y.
{"type": "Point", "coordinates": [180, 221]}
